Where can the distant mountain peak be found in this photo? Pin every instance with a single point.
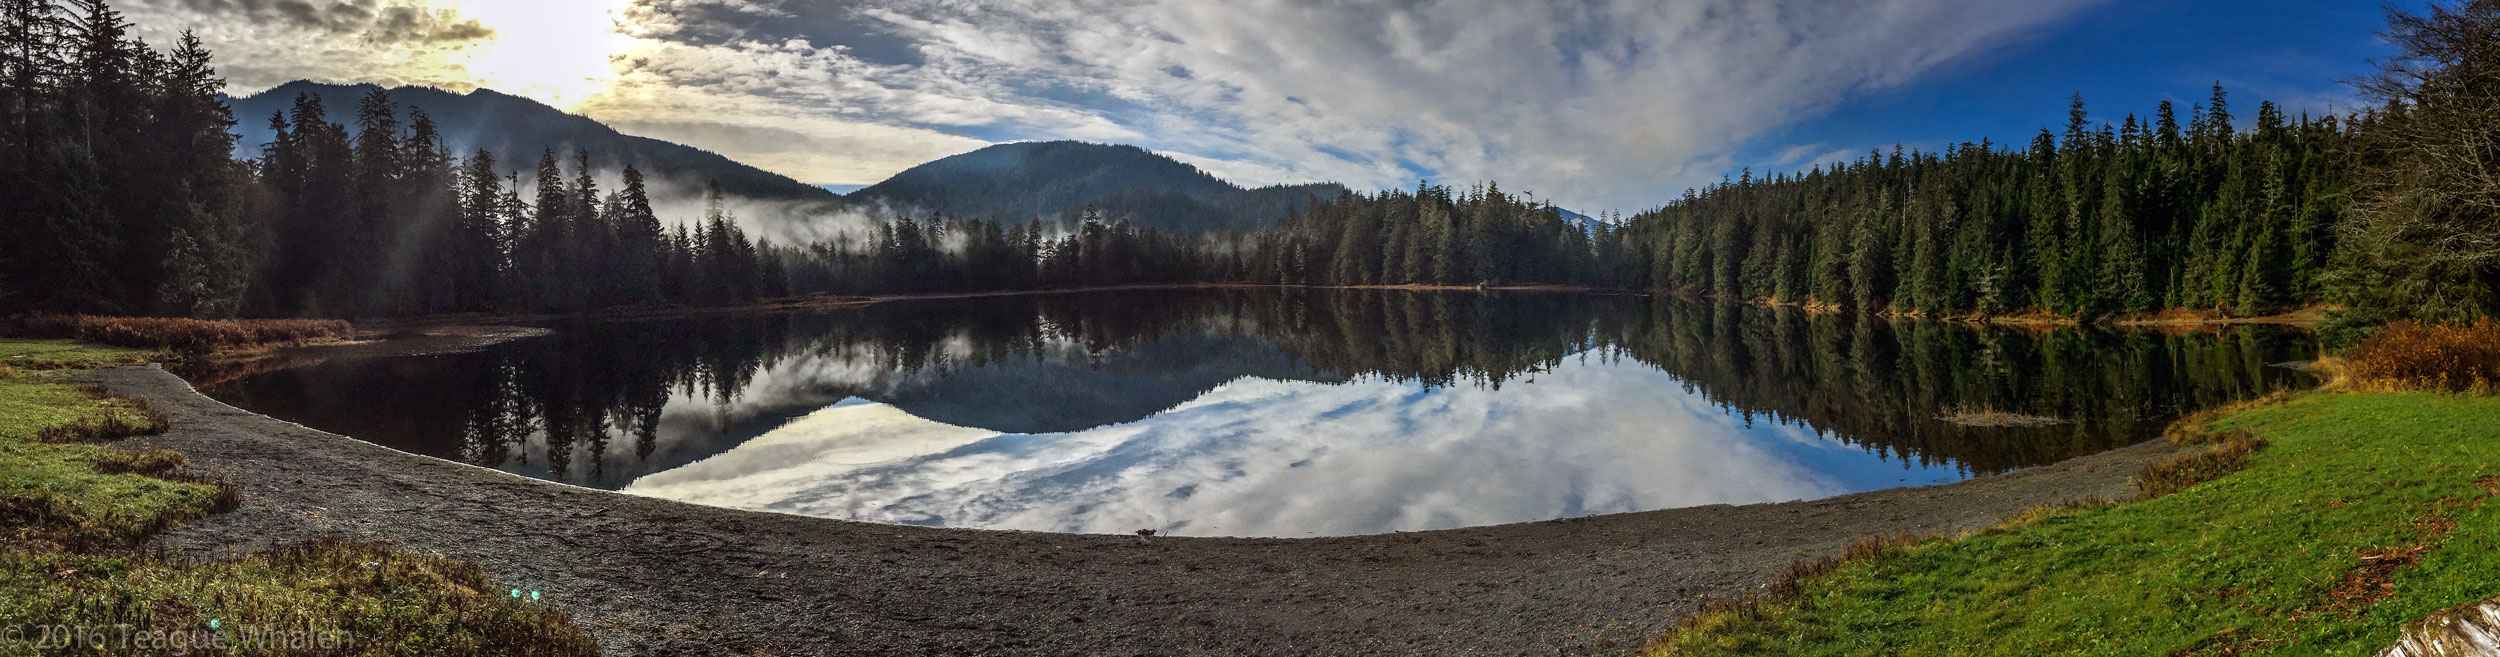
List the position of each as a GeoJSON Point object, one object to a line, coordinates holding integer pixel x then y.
{"type": "Point", "coordinates": [1018, 181]}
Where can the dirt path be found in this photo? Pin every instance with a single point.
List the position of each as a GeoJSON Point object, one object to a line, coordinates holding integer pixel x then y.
{"type": "Point", "coordinates": [650, 576]}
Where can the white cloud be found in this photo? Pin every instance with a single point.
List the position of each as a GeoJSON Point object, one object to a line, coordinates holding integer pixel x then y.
{"type": "Point", "coordinates": [265, 43]}
{"type": "Point", "coordinates": [1598, 104]}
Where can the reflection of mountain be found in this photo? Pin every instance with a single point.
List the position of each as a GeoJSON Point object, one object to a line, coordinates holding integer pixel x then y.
{"type": "Point", "coordinates": [1053, 395]}
{"type": "Point", "coordinates": [851, 433]}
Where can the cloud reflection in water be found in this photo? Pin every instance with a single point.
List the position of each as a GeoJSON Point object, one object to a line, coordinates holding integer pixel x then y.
{"type": "Point", "coordinates": [1261, 457]}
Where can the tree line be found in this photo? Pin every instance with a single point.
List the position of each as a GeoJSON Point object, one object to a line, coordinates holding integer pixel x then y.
{"type": "Point", "coordinates": [2147, 215]}
{"type": "Point", "coordinates": [938, 253]}
{"type": "Point", "coordinates": [123, 197]}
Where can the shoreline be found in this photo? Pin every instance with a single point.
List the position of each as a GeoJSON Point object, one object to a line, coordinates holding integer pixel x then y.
{"type": "Point", "coordinates": [651, 576]}
{"type": "Point", "coordinates": [2174, 319]}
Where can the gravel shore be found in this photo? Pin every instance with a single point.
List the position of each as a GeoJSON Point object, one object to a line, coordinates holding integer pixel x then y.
{"type": "Point", "coordinates": [649, 576]}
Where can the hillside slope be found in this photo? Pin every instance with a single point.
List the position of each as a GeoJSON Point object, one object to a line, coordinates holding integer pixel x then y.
{"type": "Point", "coordinates": [1056, 179]}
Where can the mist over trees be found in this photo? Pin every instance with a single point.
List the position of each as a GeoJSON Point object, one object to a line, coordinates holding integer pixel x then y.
{"type": "Point", "coordinates": [940, 254]}
{"type": "Point", "coordinates": [121, 196]}
{"type": "Point", "coordinates": [388, 222]}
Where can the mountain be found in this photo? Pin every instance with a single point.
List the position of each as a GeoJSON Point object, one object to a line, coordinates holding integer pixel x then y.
{"type": "Point", "coordinates": [1586, 223]}
{"type": "Point", "coordinates": [517, 130]}
{"type": "Point", "coordinates": [1057, 179]}
{"type": "Point", "coordinates": [1053, 180]}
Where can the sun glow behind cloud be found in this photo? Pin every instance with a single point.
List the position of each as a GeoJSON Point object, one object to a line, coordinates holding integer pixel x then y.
{"type": "Point", "coordinates": [559, 52]}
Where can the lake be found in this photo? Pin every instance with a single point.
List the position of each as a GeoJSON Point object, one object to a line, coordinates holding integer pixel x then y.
{"type": "Point", "coordinates": [1268, 412]}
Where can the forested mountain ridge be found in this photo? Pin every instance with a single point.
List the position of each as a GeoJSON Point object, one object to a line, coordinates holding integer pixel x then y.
{"type": "Point", "coordinates": [1055, 180]}
{"type": "Point", "coordinates": [518, 129]}
{"type": "Point", "coordinates": [2144, 215]}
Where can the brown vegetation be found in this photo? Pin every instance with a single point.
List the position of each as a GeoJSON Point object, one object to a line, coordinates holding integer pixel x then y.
{"type": "Point", "coordinates": [2223, 455]}
{"type": "Point", "coordinates": [2409, 355]}
{"type": "Point", "coordinates": [181, 335]}
{"type": "Point", "coordinates": [2196, 429]}
{"type": "Point", "coordinates": [2218, 453]}
{"type": "Point", "coordinates": [1989, 417]}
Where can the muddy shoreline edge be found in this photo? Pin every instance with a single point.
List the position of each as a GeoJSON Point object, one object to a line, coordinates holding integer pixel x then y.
{"type": "Point", "coordinates": [650, 576]}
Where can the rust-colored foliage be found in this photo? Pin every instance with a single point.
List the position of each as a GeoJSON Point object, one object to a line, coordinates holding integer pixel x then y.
{"type": "Point", "coordinates": [2409, 355]}
{"type": "Point", "coordinates": [187, 335]}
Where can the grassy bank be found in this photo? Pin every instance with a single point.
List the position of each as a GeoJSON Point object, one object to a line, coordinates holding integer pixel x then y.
{"type": "Point", "coordinates": [2363, 511]}
{"type": "Point", "coordinates": [38, 355]}
{"type": "Point", "coordinates": [73, 517]}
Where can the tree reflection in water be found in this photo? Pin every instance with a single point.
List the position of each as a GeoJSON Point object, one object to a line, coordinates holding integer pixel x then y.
{"type": "Point", "coordinates": [604, 403]}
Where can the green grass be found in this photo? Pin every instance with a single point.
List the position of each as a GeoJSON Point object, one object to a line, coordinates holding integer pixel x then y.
{"type": "Point", "coordinates": [65, 354]}
{"type": "Point", "coordinates": [2362, 513]}
{"type": "Point", "coordinates": [364, 599]}
{"type": "Point", "coordinates": [73, 517]}
{"type": "Point", "coordinates": [56, 493]}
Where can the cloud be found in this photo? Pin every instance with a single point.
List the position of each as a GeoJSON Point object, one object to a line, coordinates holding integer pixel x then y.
{"type": "Point", "coordinates": [1614, 103]}
{"type": "Point", "coordinates": [373, 21]}
{"type": "Point", "coordinates": [404, 23]}
{"type": "Point", "coordinates": [265, 43]}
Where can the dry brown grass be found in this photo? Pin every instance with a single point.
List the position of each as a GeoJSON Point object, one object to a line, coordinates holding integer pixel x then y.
{"type": "Point", "coordinates": [181, 335]}
{"type": "Point", "coordinates": [2223, 454]}
{"type": "Point", "coordinates": [2196, 429]}
{"type": "Point", "coordinates": [2415, 356]}
{"type": "Point", "coordinates": [2213, 453]}
{"type": "Point", "coordinates": [1989, 417]}
{"type": "Point", "coordinates": [1791, 581]}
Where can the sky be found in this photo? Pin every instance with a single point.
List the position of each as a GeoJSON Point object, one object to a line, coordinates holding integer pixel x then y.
{"type": "Point", "coordinates": [1598, 105]}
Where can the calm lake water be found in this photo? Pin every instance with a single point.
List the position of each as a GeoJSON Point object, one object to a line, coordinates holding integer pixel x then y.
{"type": "Point", "coordinates": [1268, 412]}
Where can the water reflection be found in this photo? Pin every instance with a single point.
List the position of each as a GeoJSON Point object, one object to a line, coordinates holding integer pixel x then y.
{"type": "Point", "coordinates": [1267, 412]}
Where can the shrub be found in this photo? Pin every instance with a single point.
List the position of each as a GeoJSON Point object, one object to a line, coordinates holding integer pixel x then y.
{"type": "Point", "coordinates": [184, 335]}
{"type": "Point", "coordinates": [2452, 357]}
